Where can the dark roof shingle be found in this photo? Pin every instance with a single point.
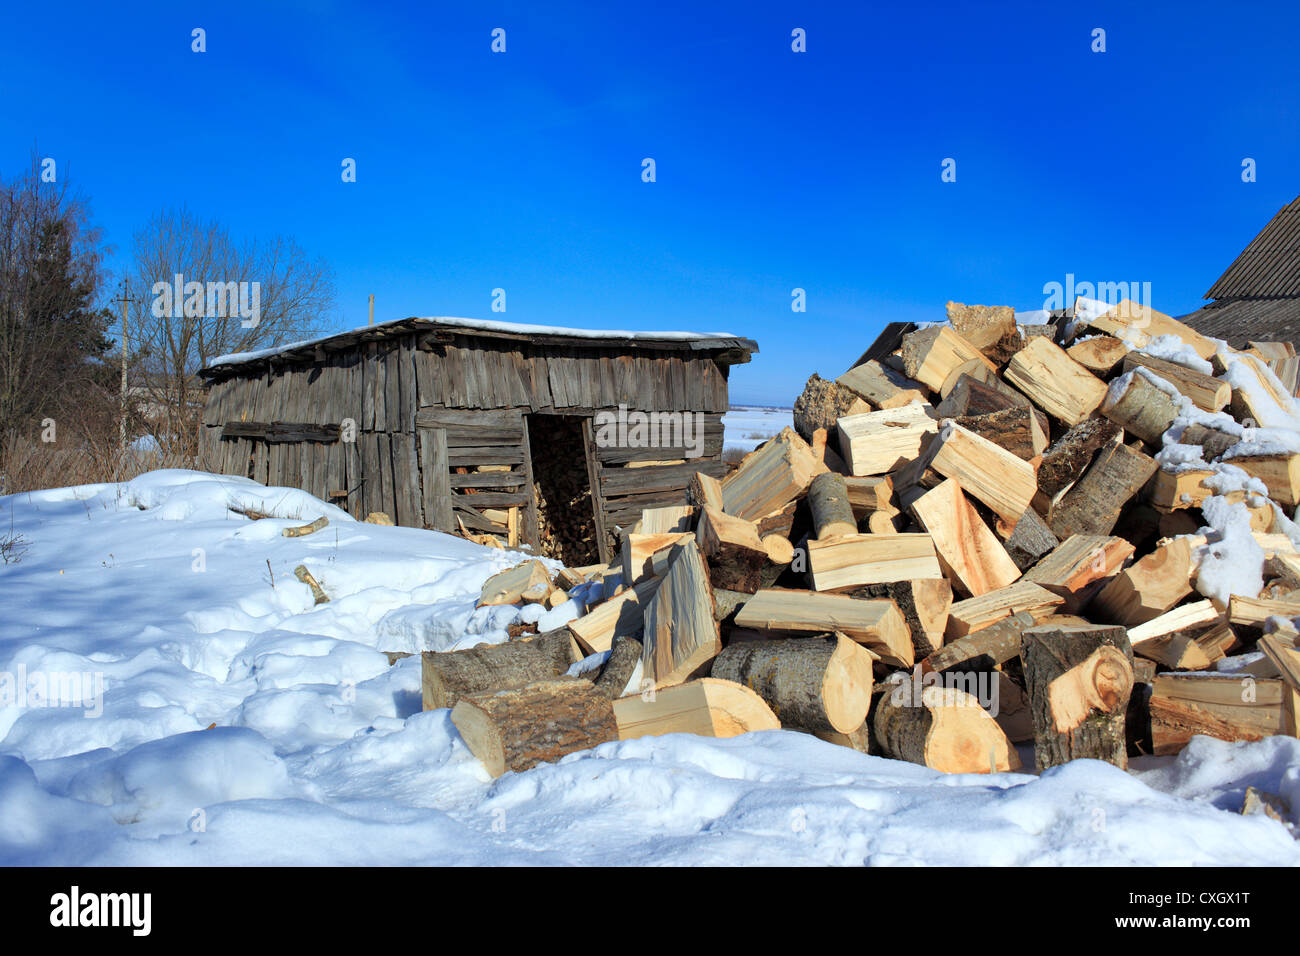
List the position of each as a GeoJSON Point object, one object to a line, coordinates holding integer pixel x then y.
{"type": "Point", "coordinates": [1270, 266]}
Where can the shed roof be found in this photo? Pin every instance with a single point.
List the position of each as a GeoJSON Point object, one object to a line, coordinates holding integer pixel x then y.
{"type": "Point", "coordinates": [1270, 266]}
{"type": "Point", "coordinates": [489, 329]}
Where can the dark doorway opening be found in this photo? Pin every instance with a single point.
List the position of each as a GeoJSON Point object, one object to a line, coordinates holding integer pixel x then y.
{"type": "Point", "coordinates": [566, 519]}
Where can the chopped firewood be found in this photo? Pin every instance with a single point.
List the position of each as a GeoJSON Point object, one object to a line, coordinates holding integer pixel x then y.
{"type": "Point", "coordinates": [821, 403]}
{"type": "Point", "coordinates": [970, 554]}
{"type": "Point", "coordinates": [971, 396]}
{"type": "Point", "coordinates": [832, 513]}
{"type": "Point", "coordinates": [666, 519]}
{"type": "Point", "coordinates": [569, 577]}
{"type": "Point", "coordinates": [1225, 706]}
{"type": "Point", "coordinates": [1205, 391]}
{"type": "Point", "coordinates": [520, 727]}
{"type": "Point", "coordinates": [680, 637]}
{"type": "Point", "coordinates": [620, 616]}
{"type": "Point", "coordinates": [523, 581]}
{"type": "Point", "coordinates": [990, 328]}
{"type": "Point", "coordinates": [1057, 383]}
{"type": "Point", "coordinates": [707, 707]}
{"type": "Point", "coordinates": [1287, 661]}
{"type": "Point", "coordinates": [705, 490]}
{"type": "Point", "coordinates": [1246, 611]}
{"type": "Point", "coordinates": [1150, 586]}
{"type": "Point", "coordinates": [378, 517]}
{"type": "Point", "coordinates": [1015, 429]}
{"type": "Point", "coordinates": [318, 594]}
{"type": "Point", "coordinates": [557, 597]}
{"type": "Point", "coordinates": [1139, 324]}
{"type": "Point", "coordinates": [1177, 652]}
{"type": "Point", "coordinates": [1217, 641]}
{"type": "Point", "coordinates": [769, 477]}
{"type": "Point", "coordinates": [930, 355]}
{"type": "Point", "coordinates": [733, 550]}
{"type": "Point", "coordinates": [878, 442]}
{"type": "Point", "coordinates": [878, 624]}
{"type": "Point", "coordinates": [1028, 541]}
{"type": "Point", "coordinates": [852, 560]}
{"type": "Point", "coordinates": [1213, 442]}
{"type": "Point", "coordinates": [1078, 678]}
{"type": "Point", "coordinates": [446, 676]}
{"type": "Point", "coordinates": [1068, 457]}
{"type": "Point", "coordinates": [860, 740]}
{"type": "Point", "coordinates": [943, 728]}
{"type": "Point", "coordinates": [1246, 401]}
{"type": "Point", "coordinates": [1093, 503]}
{"type": "Point", "coordinates": [302, 529]}
{"type": "Point", "coordinates": [624, 656]}
{"type": "Point", "coordinates": [810, 683]}
{"type": "Point", "coordinates": [976, 613]}
{"type": "Point", "coordinates": [779, 521]}
{"type": "Point", "coordinates": [1262, 802]}
{"type": "Point", "coordinates": [986, 472]}
{"type": "Point", "coordinates": [924, 604]}
{"type": "Point", "coordinates": [881, 385]}
{"type": "Point", "coordinates": [1079, 567]}
{"type": "Point", "coordinates": [638, 549]}
{"type": "Point", "coordinates": [1099, 354]}
{"type": "Point", "coordinates": [1169, 490]}
{"type": "Point", "coordinates": [778, 547]}
{"type": "Point", "coordinates": [1280, 474]}
{"type": "Point", "coordinates": [1200, 614]}
{"type": "Point", "coordinates": [1140, 406]}
{"type": "Point", "coordinates": [985, 649]}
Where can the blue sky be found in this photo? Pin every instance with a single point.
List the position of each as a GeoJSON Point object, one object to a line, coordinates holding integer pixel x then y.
{"type": "Point", "coordinates": [775, 169]}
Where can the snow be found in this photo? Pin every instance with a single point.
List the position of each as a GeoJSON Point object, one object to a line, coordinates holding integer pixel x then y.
{"type": "Point", "coordinates": [483, 325]}
{"type": "Point", "coordinates": [1232, 562]}
{"type": "Point", "coordinates": [1173, 349]}
{"type": "Point", "coordinates": [747, 427]}
{"type": "Point", "coordinates": [318, 752]}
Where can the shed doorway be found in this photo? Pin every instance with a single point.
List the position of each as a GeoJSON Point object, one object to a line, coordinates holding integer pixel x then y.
{"type": "Point", "coordinates": [566, 516]}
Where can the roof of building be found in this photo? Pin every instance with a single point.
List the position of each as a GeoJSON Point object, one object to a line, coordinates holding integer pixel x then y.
{"type": "Point", "coordinates": [488, 329]}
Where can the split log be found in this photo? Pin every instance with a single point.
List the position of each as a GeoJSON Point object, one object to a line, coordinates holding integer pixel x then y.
{"type": "Point", "coordinates": [1093, 503]}
{"type": "Point", "coordinates": [878, 442]}
{"type": "Point", "coordinates": [1212, 442]}
{"type": "Point", "coordinates": [1200, 614]}
{"type": "Point", "coordinates": [1280, 474]}
{"type": "Point", "coordinates": [942, 728]}
{"type": "Point", "coordinates": [520, 727]}
{"type": "Point", "coordinates": [1169, 491]}
{"type": "Point", "coordinates": [991, 474]}
{"type": "Point", "coordinates": [680, 636]}
{"type": "Point", "coordinates": [1028, 541]}
{"type": "Point", "coordinates": [1177, 652]}
{"type": "Point", "coordinates": [810, 683]}
{"type": "Point", "coordinates": [881, 385]}
{"type": "Point", "coordinates": [867, 495]}
{"type": "Point", "coordinates": [1224, 706]}
{"type": "Point", "coordinates": [821, 403]}
{"type": "Point", "coordinates": [860, 740]}
{"type": "Point", "coordinates": [516, 584]}
{"type": "Point", "coordinates": [619, 668]}
{"type": "Point", "coordinates": [1287, 661]}
{"type": "Point", "coordinates": [984, 650]}
{"type": "Point", "coordinates": [447, 676]}
{"type": "Point", "coordinates": [1139, 324]}
{"type": "Point", "coordinates": [620, 616]}
{"type": "Point", "coordinates": [1067, 458]}
{"type": "Point", "coordinates": [1099, 354]}
{"type": "Point", "coordinates": [1055, 382]}
{"type": "Point", "coordinates": [977, 613]}
{"type": "Point", "coordinates": [638, 550]}
{"type": "Point", "coordinates": [1152, 585]}
{"type": "Point", "coordinates": [1015, 429]}
{"type": "Point", "coordinates": [667, 519]}
{"type": "Point", "coordinates": [853, 560]}
{"type": "Point", "coordinates": [924, 604]}
{"type": "Point", "coordinates": [1079, 679]}
{"type": "Point", "coordinates": [705, 491]}
{"type": "Point", "coordinates": [832, 514]}
{"type": "Point", "coordinates": [970, 396]}
{"type": "Point", "coordinates": [735, 553]}
{"type": "Point", "coordinates": [1140, 406]}
{"type": "Point", "coordinates": [1205, 391]}
{"type": "Point", "coordinates": [990, 328]}
{"type": "Point", "coordinates": [876, 624]}
{"type": "Point", "coordinates": [304, 529]}
{"type": "Point", "coordinates": [930, 355]}
{"type": "Point", "coordinates": [769, 477]}
{"type": "Point", "coordinates": [1079, 567]}
{"type": "Point", "coordinates": [968, 551]}
{"type": "Point", "coordinates": [707, 707]}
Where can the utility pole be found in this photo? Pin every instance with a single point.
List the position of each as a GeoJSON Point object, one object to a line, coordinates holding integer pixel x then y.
{"type": "Point", "coordinates": [372, 308]}
{"type": "Point", "coordinates": [121, 431]}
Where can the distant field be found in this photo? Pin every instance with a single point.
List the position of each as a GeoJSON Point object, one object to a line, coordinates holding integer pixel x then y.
{"type": "Point", "coordinates": [746, 427]}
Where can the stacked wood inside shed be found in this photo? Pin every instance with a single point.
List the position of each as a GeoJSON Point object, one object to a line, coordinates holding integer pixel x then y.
{"type": "Point", "coordinates": [566, 523]}
{"type": "Point", "coordinates": [965, 546]}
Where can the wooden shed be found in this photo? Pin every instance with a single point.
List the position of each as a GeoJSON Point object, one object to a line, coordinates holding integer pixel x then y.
{"type": "Point", "coordinates": [454, 423]}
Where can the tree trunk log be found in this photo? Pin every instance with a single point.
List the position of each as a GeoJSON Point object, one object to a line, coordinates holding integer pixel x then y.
{"type": "Point", "coordinates": [942, 728]}
{"type": "Point", "coordinates": [520, 727]}
{"type": "Point", "coordinates": [828, 497]}
{"type": "Point", "coordinates": [618, 669]}
{"type": "Point", "coordinates": [810, 683]}
{"type": "Point", "coordinates": [1079, 678]}
{"type": "Point", "coordinates": [448, 676]}
{"type": "Point", "coordinates": [985, 649]}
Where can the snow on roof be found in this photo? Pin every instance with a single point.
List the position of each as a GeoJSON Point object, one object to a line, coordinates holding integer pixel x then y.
{"type": "Point", "coordinates": [725, 339]}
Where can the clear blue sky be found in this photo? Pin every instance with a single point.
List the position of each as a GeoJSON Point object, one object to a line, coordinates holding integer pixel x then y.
{"type": "Point", "coordinates": [775, 170]}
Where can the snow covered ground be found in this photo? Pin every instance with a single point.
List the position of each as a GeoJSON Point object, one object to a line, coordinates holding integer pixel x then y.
{"type": "Point", "coordinates": [746, 427]}
{"type": "Point", "coordinates": [240, 724]}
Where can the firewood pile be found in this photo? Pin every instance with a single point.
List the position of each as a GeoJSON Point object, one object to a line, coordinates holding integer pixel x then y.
{"type": "Point", "coordinates": [1073, 536]}
{"type": "Point", "coordinates": [566, 525]}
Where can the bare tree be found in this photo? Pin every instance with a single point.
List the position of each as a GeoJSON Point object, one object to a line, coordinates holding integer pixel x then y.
{"type": "Point", "coordinates": [234, 297]}
{"type": "Point", "coordinates": [52, 324]}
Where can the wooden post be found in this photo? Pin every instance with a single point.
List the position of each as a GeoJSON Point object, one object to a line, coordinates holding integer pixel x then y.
{"type": "Point", "coordinates": [597, 499]}
{"type": "Point", "coordinates": [372, 309]}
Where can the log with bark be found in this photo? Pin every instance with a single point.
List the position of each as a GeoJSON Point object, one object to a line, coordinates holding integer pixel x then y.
{"type": "Point", "coordinates": [832, 512]}
{"type": "Point", "coordinates": [446, 676]}
{"type": "Point", "coordinates": [943, 728]}
{"type": "Point", "coordinates": [735, 553]}
{"type": "Point", "coordinates": [708, 707]}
